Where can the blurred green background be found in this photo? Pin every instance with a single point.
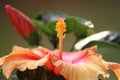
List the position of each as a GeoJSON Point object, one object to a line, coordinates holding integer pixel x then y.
{"type": "Point", "coordinates": [105, 14]}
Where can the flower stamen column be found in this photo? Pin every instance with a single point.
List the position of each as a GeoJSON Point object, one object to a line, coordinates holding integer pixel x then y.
{"type": "Point", "coordinates": [61, 29]}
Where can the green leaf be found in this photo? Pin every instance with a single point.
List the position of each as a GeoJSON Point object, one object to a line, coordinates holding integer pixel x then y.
{"type": "Point", "coordinates": [52, 26]}
{"type": "Point", "coordinates": [78, 28]}
{"type": "Point", "coordinates": [42, 27]}
{"type": "Point", "coordinates": [110, 51]}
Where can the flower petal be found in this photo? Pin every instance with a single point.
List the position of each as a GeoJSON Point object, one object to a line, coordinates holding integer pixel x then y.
{"type": "Point", "coordinates": [116, 68]}
{"type": "Point", "coordinates": [11, 61]}
{"type": "Point", "coordinates": [88, 66]}
{"type": "Point", "coordinates": [48, 64]}
{"type": "Point", "coordinates": [31, 64]}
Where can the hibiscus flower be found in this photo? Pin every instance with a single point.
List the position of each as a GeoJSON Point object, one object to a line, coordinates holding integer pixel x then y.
{"type": "Point", "coordinates": [80, 65]}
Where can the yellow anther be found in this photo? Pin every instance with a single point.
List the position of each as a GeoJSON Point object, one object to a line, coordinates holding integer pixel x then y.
{"type": "Point", "coordinates": [61, 29]}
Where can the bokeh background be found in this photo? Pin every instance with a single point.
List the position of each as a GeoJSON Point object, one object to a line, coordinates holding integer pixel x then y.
{"type": "Point", "coordinates": [105, 14]}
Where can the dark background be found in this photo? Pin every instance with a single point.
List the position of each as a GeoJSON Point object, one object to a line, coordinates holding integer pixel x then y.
{"type": "Point", "coordinates": [105, 14]}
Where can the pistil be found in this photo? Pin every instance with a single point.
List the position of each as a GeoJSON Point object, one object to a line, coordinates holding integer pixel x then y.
{"type": "Point", "coordinates": [61, 29]}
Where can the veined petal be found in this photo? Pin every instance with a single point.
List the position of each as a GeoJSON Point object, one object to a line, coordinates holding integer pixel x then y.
{"type": "Point", "coordinates": [86, 66]}
{"type": "Point", "coordinates": [22, 59]}
{"type": "Point", "coordinates": [31, 64]}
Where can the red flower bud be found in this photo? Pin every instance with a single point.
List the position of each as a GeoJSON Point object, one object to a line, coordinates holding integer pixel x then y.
{"type": "Point", "coordinates": [22, 24]}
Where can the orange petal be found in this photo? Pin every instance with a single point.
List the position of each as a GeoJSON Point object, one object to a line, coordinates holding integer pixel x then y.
{"type": "Point", "coordinates": [31, 64]}
{"type": "Point", "coordinates": [22, 65]}
{"type": "Point", "coordinates": [11, 61]}
{"type": "Point", "coordinates": [14, 50]}
{"type": "Point", "coordinates": [116, 68]}
{"type": "Point", "coordinates": [87, 68]}
{"type": "Point", "coordinates": [2, 60]}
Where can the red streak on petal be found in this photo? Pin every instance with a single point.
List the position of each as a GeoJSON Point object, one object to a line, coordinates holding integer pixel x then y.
{"type": "Point", "coordinates": [51, 67]}
{"type": "Point", "coordinates": [21, 23]}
